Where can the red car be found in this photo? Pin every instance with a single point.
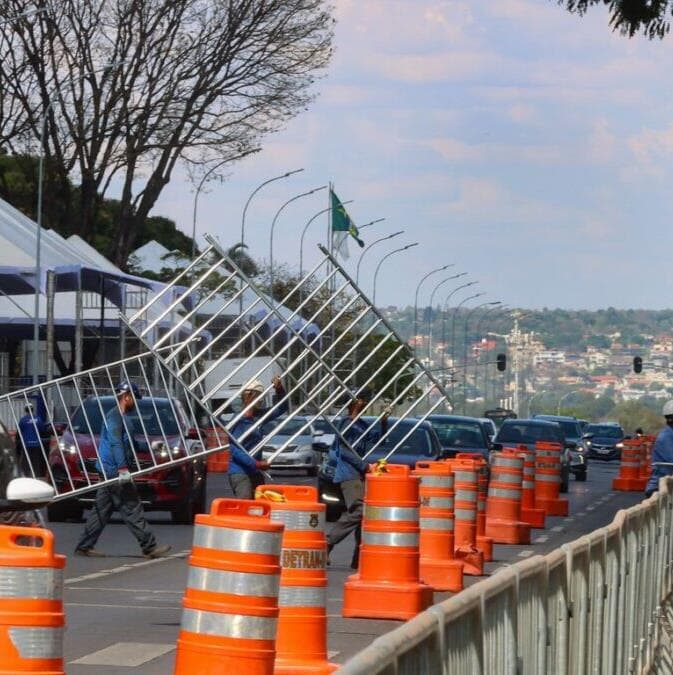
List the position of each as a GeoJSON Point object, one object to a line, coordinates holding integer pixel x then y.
{"type": "Point", "coordinates": [160, 433]}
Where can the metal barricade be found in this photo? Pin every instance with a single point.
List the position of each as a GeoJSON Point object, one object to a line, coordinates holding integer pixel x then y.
{"type": "Point", "coordinates": [59, 436]}
{"type": "Point", "coordinates": [324, 335]}
{"type": "Point", "coordinates": [557, 611]}
{"type": "Point", "coordinates": [498, 620]}
{"type": "Point", "coordinates": [597, 592]}
{"type": "Point", "coordinates": [532, 620]}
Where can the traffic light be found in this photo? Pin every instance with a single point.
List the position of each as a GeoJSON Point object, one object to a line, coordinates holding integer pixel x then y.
{"type": "Point", "coordinates": [637, 364]}
{"type": "Point", "coordinates": [501, 361]}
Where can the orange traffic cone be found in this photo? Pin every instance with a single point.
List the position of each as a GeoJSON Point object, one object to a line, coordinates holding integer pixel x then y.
{"type": "Point", "coordinates": [301, 638]}
{"type": "Point", "coordinates": [217, 462]}
{"type": "Point", "coordinates": [548, 479]}
{"type": "Point", "coordinates": [465, 514]}
{"type": "Point", "coordinates": [503, 508]}
{"type": "Point", "coordinates": [439, 568]}
{"type": "Point", "coordinates": [230, 605]}
{"type": "Point", "coordinates": [387, 585]}
{"type": "Point", "coordinates": [31, 603]}
{"type": "Point", "coordinates": [529, 514]}
{"type": "Point", "coordinates": [629, 467]}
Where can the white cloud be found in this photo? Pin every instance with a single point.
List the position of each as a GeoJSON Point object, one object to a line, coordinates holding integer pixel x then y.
{"type": "Point", "coordinates": [652, 149]}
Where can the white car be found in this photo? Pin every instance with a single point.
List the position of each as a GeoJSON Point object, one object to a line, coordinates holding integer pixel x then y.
{"type": "Point", "coordinates": [301, 452]}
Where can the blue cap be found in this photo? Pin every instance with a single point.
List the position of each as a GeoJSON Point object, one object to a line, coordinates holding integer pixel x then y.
{"type": "Point", "coordinates": [124, 387]}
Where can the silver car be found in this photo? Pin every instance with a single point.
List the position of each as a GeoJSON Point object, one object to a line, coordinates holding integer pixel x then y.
{"type": "Point", "coordinates": [300, 453]}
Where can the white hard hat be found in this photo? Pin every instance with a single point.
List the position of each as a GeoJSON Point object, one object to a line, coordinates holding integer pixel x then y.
{"type": "Point", "coordinates": [668, 408]}
{"type": "Point", "coordinates": [254, 385]}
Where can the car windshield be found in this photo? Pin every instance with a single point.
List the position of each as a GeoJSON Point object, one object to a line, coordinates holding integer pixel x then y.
{"type": "Point", "coordinates": [320, 424]}
{"type": "Point", "coordinates": [417, 443]}
{"type": "Point", "coordinates": [605, 431]}
{"type": "Point", "coordinates": [520, 432]}
{"type": "Point", "coordinates": [459, 434]}
{"type": "Point", "coordinates": [158, 417]}
{"type": "Point", "coordinates": [570, 429]}
{"type": "Point", "coordinates": [291, 426]}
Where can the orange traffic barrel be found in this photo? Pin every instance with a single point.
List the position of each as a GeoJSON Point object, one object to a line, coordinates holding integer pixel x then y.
{"type": "Point", "coordinates": [230, 606]}
{"type": "Point", "coordinates": [548, 479]}
{"type": "Point", "coordinates": [31, 602]}
{"type": "Point", "coordinates": [217, 462]}
{"type": "Point", "coordinates": [301, 638]}
{"type": "Point", "coordinates": [438, 566]}
{"type": "Point", "coordinates": [387, 585]}
{"type": "Point", "coordinates": [465, 516]}
{"type": "Point", "coordinates": [503, 508]}
{"type": "Point", "coordinates": [645, 467]}
{"type": "Point", "coordinates": [529, 514]}
{"type": "Point", "coordinates": [484, 542]}
{"type": "Point", "coordinates": [629, 467]}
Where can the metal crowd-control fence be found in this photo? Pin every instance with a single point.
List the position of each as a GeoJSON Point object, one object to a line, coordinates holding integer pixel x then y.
{"type": "Point", "coordinates": [57, 425]}
{"type": "Point", "coordinates": [599, 604]}
{"type": "Point", "coordinates": [323, 338]}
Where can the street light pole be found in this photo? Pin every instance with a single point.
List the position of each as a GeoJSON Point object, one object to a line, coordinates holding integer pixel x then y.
{"type": "Point", "coordinates": [255, 191]}
{"type": "Point", "coordinates": [40, 181]}
{"type": "Point", "coordinates": [385, 257]}
{"type": "Point", "coordinates": [467, 321]}
{"type": "Point", "coordinates": [370, 223]}
{"type": "Point", "coordinates": [418, 288]}
{"type": "Point", "coordinates": [376, 241]}
{"type": "Point", "coordinates": [558, 407]}
{"type": "Point", "coordinates": [432, 304]}
{"type": "Point", "coordinates": [497, 306]}
{"type": "Point", "coordinates": [453, 333]}
{"type": "Point", "coordinates": [273, 226]}
{"type": "Point", "coordinates": [444, 310]}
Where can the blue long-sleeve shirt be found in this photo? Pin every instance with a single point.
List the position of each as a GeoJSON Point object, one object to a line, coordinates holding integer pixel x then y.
{"type": "Point", "coordinates": [114, 444]}
{"type": "Point", "coordinates": [31, 426]}
{"type": "Point", "coordinates": [348, 464]}
{"type": "Point", "coordinates": [240, 461]}
{"type": "Point", "coordinates": [661, 452]}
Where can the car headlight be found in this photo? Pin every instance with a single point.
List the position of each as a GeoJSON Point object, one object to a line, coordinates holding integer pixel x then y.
{"type": "Point", "coordinates": [68, 448]}
{"type": "Point", "coordinates": [588, 443]}
{"type": "Point", "coordinates": [619, 446]}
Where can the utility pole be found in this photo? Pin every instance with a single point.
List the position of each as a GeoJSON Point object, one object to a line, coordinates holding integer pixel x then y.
{"type": "Point", "coordinates": [516, 343]}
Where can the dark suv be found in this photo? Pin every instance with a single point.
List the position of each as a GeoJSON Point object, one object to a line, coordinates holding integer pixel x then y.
{"type": "Point", "coordinates": [179, 487]}
{"type": "Point", "coordinates": [606, 441]}
{"type": "Point", "coordinates": [529, 432]}
{"type": "Point", "coordinates": [576, 440]}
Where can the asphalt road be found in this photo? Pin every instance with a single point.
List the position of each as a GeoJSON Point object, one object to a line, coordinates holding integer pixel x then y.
{"type": "Point", "coordinates": [123, 612]}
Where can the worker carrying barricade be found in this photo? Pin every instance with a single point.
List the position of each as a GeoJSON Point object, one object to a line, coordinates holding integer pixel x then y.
{"type": "Point", "coordinates": [387, 585]}
{"type": "Point", "coordinates": [503, 507]}
{"type": "Point", "coordinates": [548, 479]}
{"type": "Point", "coordinates": [31, 602]}
{"type": "Point", "coordinates": [438, 566]}
{"type": "Point", "coordinates": [230, 606]}
{"type": "Point", "coordinates": [301, 638]}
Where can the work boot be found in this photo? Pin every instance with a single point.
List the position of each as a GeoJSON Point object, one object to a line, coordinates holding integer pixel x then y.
{"type": "Point", "coordinates": [158, 551]}
{"type": "Point", "coordinates": [88, 553]}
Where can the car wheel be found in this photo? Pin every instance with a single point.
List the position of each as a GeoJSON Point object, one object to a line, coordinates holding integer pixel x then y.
{"type": "Point", "coordinates": [581, 476]}
{"type": "Point", "coordinates": [565, 479]}
{"type": "Point", "coordinates": [187, 511]}
{"type": "Point", "coordinates": [64, 510]}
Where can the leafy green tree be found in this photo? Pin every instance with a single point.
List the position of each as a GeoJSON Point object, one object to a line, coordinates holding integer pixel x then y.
{"type": "Point", "coordinates": [633, 414]}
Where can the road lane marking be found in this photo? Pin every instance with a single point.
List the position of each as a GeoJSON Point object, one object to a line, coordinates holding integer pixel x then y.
{"type": "Point", "coordinates": [525, 554]}
{"type": "Point", "coordinates": [332, 654]}
{"type": "Point", "coordinates": [129, 654]}
{"type": "Point", "coordinates": [541, 539]}
{"type": "Point", "coordinates": [590, 508]}
{"type": "Point", "coordinates": [125, 568]}
{"type": "Point", "coordinates": [568, 520]}
{"type": "Point", "coordinates": [558, 528]}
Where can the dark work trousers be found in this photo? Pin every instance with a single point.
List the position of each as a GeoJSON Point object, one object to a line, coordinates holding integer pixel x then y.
{"type": "Point", "coordinates": [351, 519]}
{"type": "Point", "coordinates": [122, 497]}
{"type": "Point", "coordinates": [241, 485]}
{"type": "Point", "coordinates": [37, 466]}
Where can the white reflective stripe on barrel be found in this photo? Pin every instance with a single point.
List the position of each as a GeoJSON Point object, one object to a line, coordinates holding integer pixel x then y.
{"type": "Point", "coordinates": [548, 453]}
{"type": "Point", "coordinates": [528, 485]}
{"type": "Point", "coordinates": [406, 513]}
{"type": "Point", "coordinates": [37, 643]}
{"type": "Point", "coordinates": [38, 583]}
{"type": "Point", "coordinates": [465, 514]}
{"type": "Point", "coordinates": [236, 583]}
{"type": "Point", "coordinates": [299, 520]}
{"type": "Point", "coordinates": [510, 462]}
{"type": "Point", "coordinates": [514, 479]}
{"type": "Point", "coordinates": [505, 494]}
{"type": "Point", "coordinates": [437, 502]}
{"type": "Point", "coordinates": [466, 495]}
{"type": "Point", "coordinates": [302, 596]}
{"type": "Point", "coordinates": [436, 524]}
{"type": "Point", "coordinates": [436, 481]}
{"type": "Point", "coordinates": [390, 538]}
{"type": "Point", "coordinates": [548, 478]}
{"type": "Point", "coordinates": [465, 476]}
{"type": "Point", "coordinates": [228, 625]}
{"type": "Point", "coordinates": [241, 541]}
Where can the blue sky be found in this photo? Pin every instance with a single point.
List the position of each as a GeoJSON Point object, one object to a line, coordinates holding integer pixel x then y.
{"type": "Point", "coordinates": [531, 147]}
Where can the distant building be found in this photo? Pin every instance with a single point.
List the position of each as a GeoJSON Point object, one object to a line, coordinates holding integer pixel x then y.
{"type": "Point", "coordinates": [549, 356]}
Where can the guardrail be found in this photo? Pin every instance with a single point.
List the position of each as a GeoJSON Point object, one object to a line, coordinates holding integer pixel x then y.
{"type": "Point", "coordinates": [599, 604]}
